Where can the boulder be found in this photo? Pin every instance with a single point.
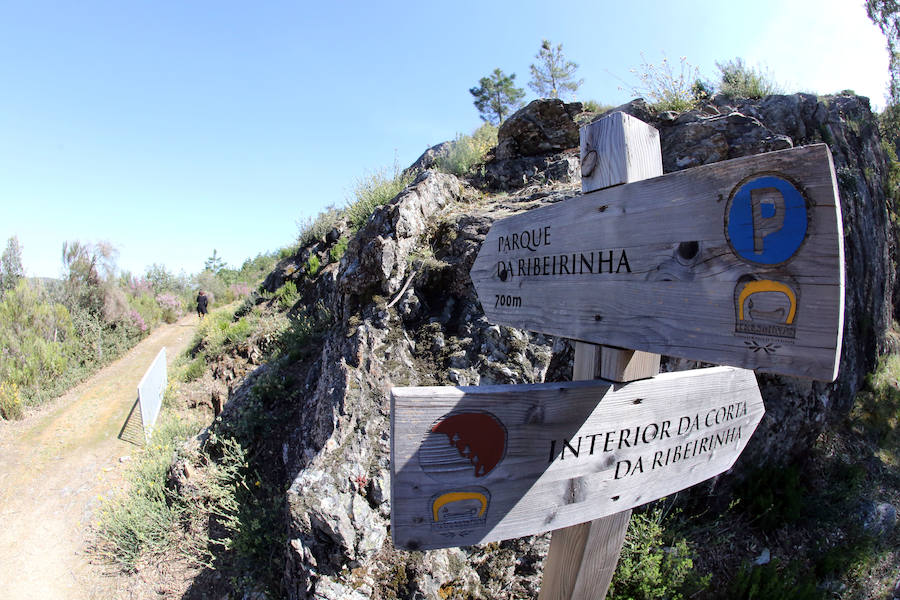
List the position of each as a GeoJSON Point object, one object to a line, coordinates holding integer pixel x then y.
{"type": "Point", "coordinates": [542, 127]}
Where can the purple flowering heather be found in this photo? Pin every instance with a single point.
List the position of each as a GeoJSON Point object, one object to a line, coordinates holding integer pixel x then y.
{"type": "Point", "coordinates": [239, 290]}
{"type": "Point", "coordinates": [170, 305]}
{"type": "Point", "coordinates": [137, 321]}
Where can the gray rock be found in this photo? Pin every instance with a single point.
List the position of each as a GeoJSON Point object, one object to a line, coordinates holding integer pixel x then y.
{"type": "Point", "coordinates": [541, 127]}
{"type": "Point", "coordinates": [377, 254]}
{"type": "Point", "coordinates": [428, 158]}
{"type": "Point", "coordinates": [436, 334]}
{"type": "Point", "coordinates": [877, 519]}
{"type": "Point", "coordinates": [516, 173]}
{"type": "Point", "coordinates": [370, 526]}
{"type": "Point", "coordinates": [328, 588]}
{"type": "Point", "coordinates": [329, 513]}
{"type": "Point", "coordinates": [694, 142]}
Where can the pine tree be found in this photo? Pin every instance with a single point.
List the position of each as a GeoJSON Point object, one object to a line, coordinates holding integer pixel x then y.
{"type": "Point", "coordinates": [553, 76]}
{"type": "Point", "coordinates": [11, 270]}
{"type": "Point", "coordinates": [497, 96]}
{"type": "Point", "coordinates": [214, 263]}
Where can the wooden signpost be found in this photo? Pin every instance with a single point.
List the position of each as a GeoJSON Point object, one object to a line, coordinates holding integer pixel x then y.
{"type": "Point", "coordinates": [737, 263]}
{"type": "Point", "coordinates": [484, 463]}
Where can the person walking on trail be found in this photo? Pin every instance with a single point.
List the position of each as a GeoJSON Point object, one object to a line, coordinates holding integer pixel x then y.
{"type": "Point", "coordinates": [202, 303]}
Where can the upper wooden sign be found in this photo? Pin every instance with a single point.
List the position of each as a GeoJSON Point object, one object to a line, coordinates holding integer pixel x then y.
{"type": "Point", "coordinates": [484, 463]}
{"type": "Point", "coordinates": [738, 263]}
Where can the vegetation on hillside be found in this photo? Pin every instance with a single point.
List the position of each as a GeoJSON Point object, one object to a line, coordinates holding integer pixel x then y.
{"type": "Point", "coordinates": [53, 333]}
{"type": "Point", "coordinates": [228, 517]}
{"type": "Point", "coordinates": [466, 152]}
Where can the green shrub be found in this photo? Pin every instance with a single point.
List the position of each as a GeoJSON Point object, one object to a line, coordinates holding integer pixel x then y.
{"type": "Point", "coordinates": [210, 334]}
{"type": "Point", "coordinates": [740, 81]}
{"type": "Point", "coordinates": [238, 331]}
{"type": "Point", "coordinates": [340, 247]}
{"type": "Point", "coordinates": [145, 519]}
{"type": "Point", "coordinates": [876, 409]}
{"type": "Point", "coordinates": [302, 330]}
{"type": "Point", "coordinates": [10, 401]}
{"type": "Point", "coordinates": [287, 295]}
{"type": "Point", "coordinates": [666, 87]}
{"type": "Point", "coordinates": [468, 151]}
{"type": "Point", "coordinates": [313, 266]}
{"type": "Point", "coordinates": [773, 582]}
{"type": "Point", "coordinates": [652, 566]}
{"type": "Point", "coordinates": [40, 343]}
{"type": "Point", "coordinates": [315, 230]}
{"type": "Point", "coordinates": [595, 107]}
{"type": "Point", "coordinates": [195, 369]}
{"type": "Point", "coordinates": [372, 191]}
{"type": "Point", "coordinates": [855, 552]}
{"type": "Point", "coordinates": [774, 495]}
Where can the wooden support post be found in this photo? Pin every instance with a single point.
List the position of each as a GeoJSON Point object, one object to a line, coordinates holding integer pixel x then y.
{"type": "Point", "coordinates": [582, 559]}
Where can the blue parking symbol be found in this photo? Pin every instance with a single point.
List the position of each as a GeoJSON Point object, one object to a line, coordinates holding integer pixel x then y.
{"type": "Point", "coordinates": [767, 220]}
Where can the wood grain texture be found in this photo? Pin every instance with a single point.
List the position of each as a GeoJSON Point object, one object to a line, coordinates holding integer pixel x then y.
{"type": "Point", "coordinates": [619, 364]}
{"type": "Point", "coordinates": [618, 149]}
{"type": "Point", "coordinates": [582, 558]}
{"type": "Point", "coordinates": [478, 464]}
{"type": "Point", "coordinates": [650, 266]}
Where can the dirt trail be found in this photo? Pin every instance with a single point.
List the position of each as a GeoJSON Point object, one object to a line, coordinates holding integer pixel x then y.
{"type": "Point", "coordinates": [54, 466]}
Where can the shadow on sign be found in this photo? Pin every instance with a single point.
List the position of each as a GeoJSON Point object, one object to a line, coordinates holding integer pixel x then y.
{"type": "Point", "coordinates": [478, 464]}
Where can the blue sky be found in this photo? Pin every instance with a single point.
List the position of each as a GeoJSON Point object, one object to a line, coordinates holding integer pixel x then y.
{"type": "Point", "coordinates": [173, 128]}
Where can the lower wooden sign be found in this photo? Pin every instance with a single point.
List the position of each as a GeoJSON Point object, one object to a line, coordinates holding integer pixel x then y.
{"type": "Point", "coordinates": [479, 464]}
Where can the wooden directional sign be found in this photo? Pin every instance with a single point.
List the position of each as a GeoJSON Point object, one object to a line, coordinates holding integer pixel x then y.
{"type": "Point", "coordinates": [478, 464]}
{"type": "Point", "coordinates": [737, 263]}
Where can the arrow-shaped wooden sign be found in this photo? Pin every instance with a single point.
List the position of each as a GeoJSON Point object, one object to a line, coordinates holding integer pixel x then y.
{"type": "Point", "coordinates": [738, 263]}
{"type": "Point", "coordinates": [478, 464]}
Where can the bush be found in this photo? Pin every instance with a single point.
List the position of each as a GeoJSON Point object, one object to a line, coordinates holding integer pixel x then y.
{"type": "Point", "coordinates": [664, 87]}
{"type": "Point", "coordinates": [239, 290]}
{"type": "Point", "coordinates": [238, 331]}
{"type": "Point", "coordinates": [595, 107]}
{"type": "Point", "coordinates": [741, 81]}
{"type": "Point", "coordinates": [287, 295]}
{"type": "Point", "coordinates": [170, 306]}
{"type": "Point", "coordinates": [340, 247]}
{"type": "Point", "coordinates": [773, 582]}
{"type": "Point", "coordinates": [315, 230]}
{"type": "Point", "coordinates": [466, 151]}
{"type": "Point", "coordinates": [195, 369]}
{"type": "Point", "coordinates": [10, 401]}
{"type": "Point", "coordinates": [652, 567]}
{"type": "Point", "coordinates": [313, 266]}
{"type": "Point", "coordinates": [302, 330]}
{"type": "Point", "coordinates": [372, 191]}
{"type": "Point", "coordinates": [146, 306]}
{"type": "Point", "coordinates": [38, 342]}
{"type": "Point", "coordinates": [210, 334]}
{"type": "Point", "coordinates": [145, 519]}
{"type": "Point", "coordinates": [774, 495]}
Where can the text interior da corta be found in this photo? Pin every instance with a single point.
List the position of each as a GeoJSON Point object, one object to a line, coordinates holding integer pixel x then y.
{"type": "Point", "coordinates": [717, 428]}
{"type": "Point", "coordinates": [546, 263]}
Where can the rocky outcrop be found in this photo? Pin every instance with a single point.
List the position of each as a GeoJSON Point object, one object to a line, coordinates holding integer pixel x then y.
{"type": "Point", "coordinates": [542, 127]}
{"type": "Point", "coordinates": [536, 145]}
{"type": "Point", "coordinates": [405, 313]}
{"type": "Point", "coordinates": [723, 129]}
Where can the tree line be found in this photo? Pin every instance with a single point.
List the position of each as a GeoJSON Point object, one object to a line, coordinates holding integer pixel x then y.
{"type": "Point", "coordinates": [552, 76]}
{"type": "Point", "coordinates": [56, 332]}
